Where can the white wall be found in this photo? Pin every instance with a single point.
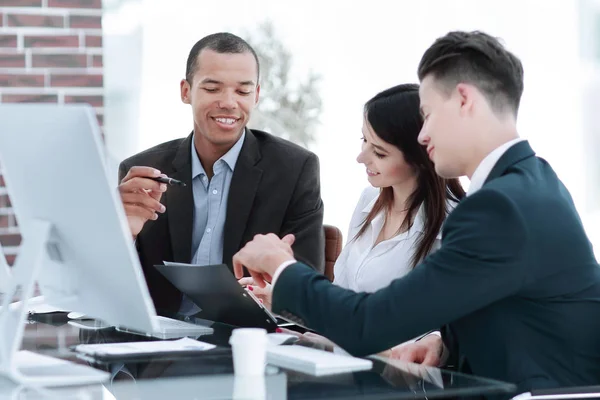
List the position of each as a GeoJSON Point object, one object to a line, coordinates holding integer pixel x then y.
{"type": "Point", "coordinates": [374, 45]}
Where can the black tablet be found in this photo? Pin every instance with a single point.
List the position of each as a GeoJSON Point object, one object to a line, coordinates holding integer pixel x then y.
{"type": "Point", "coordinates": [215, 290]}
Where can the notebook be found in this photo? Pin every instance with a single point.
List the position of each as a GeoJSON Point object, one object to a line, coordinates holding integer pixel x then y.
{"type": "Point", "coordinates": [140, 350]}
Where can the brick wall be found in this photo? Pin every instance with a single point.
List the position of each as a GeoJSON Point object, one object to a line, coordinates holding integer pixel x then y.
{"type": "Point", "coordinates": [50, 52]}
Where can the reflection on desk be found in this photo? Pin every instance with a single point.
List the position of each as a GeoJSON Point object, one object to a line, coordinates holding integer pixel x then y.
{"type": "Point", "coordinates": [272, 386]}
{"type": "Point", "coordinates": [10, 390]}
{"type": "Point", "coordinates": [212, 374]}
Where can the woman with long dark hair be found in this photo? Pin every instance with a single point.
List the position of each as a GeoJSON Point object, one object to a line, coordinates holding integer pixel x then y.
{"type": "Point", "coordinates": [398, 219]}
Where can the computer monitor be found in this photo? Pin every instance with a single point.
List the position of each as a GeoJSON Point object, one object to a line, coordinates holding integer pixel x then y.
{"type": "Point", "coordinates": [53, 165]}
{"type": "Point", "coordinates": [76, 240]}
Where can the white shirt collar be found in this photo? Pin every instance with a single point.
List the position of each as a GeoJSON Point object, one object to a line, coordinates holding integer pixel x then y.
{"type": "Point", "coordinates": [367, 209]}
{"type": "Point", "coordinates": [230, 157]}
{"type": "Point", "coordinates": [487, 164]}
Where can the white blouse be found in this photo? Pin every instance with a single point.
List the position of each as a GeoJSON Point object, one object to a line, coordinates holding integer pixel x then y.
{"type": "Point", "coordinates": [364, 268]}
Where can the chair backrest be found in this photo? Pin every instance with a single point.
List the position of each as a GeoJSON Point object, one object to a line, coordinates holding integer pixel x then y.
{"type": "Point", "coordinates": [333, 247]}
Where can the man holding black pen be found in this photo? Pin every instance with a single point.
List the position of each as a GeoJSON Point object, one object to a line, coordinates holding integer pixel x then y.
{"type": "Point", "coordinates": [229, 182]}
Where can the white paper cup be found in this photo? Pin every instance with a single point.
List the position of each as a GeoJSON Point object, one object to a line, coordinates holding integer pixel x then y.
{"type": "Point", "coordinates": [249, 387]}
{"type": "Point", "coordinates": [249, 347]}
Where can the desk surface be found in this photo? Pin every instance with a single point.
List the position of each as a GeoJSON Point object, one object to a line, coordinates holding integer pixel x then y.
{"type": "Point", "coordinates": [211, 377]}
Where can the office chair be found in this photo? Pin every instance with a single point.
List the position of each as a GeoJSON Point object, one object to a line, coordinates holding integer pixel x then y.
{"type": "Point", "coordinates": [333, 248]}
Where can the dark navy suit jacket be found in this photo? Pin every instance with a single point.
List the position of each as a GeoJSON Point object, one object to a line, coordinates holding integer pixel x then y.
{"type": "Point", "coordinates": [515, 279]}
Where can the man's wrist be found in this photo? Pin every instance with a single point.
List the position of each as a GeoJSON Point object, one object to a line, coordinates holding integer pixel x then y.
{"type": "Point", "coordinates": [280, 269]}
{"type": "Point", "coordinates": [435, 337]}
{"type": "Point", "coordinates": [274, 261]}
{"type": "Point", "coordinates": [443, 351]}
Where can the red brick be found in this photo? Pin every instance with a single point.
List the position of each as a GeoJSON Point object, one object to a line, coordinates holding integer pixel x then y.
{"type": "Point", "coordinates": [75, 3]}
{"type": "Point", "coordinates": [10, 239]}
{"type": "Point", "coordinates": [52, 41]}
{"type": "Point", "coordinates": [10, 259]}
{"type": "Point", "coordinates": [16, 80]}
{"type": "Point", "coordinates": [5, 201]}
{"type": "Point", "coordinates": [29, 98]}
{"type": "Point", "coordinates": [59, 60]}
{"type": "Point", "coordinates": [76, 80]}
{"type": "Point", "coordinates": [97, 61]}
{"type": "Point", "coordinates": [1, 19]}
{"type": "Point", "coordinates": [8, 40]}
{"type": "Point", "coordinates": [94, 101]}
{"type": "Point", "coordinates": [21, 3]}
{"type": "Point", "coordinates": [12, 60]}
{"type": "Point", "coordinates": [85, 21]}
{"type": "Point", "coordinates": [37, 20]}
{"type": "Point", "coordinates": [93, 41]}
{"type": "Point", "coordinates": [4, 221]}
{"type": "Point", "coordinates": [2, 183]}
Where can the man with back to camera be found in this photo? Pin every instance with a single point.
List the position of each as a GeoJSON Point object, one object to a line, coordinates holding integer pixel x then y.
{"type": "Point", "coordinates": [515, 280]}
{"type": "Point", "coordinates": [239, 181]}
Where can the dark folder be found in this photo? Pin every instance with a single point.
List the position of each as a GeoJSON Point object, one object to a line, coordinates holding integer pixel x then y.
{"type": "Point", "coordinates": [215, 290]}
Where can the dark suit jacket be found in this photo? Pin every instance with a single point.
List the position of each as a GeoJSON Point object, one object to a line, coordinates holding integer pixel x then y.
{"type": "Point", "coordinates": [274, 188]}
{"type": "Point", "coordinates": [515, 278]}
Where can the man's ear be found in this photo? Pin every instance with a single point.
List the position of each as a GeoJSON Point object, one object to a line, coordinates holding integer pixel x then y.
{"type": "Point", "coordinates": [185, 89]}
{"type": "Point", "coordinates": [466, 96]}
{"type": "Point", "coordinates": [257, 94]}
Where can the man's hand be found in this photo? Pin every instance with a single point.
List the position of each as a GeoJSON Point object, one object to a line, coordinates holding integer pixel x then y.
{"type": "Point", "coordinates": [262, 256]}
{"type": "Point", "coordinates": [327, 344]}
{"type": "Point", "coordinates": [426, 351]}
{"type": "Point", "coordinates": [141, 197]}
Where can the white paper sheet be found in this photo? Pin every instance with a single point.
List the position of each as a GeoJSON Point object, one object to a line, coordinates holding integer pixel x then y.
{"type": "Point", "coordinates": [167, 346]}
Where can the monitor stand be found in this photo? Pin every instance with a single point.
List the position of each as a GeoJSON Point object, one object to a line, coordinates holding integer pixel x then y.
{"type": "Point", "coordinates": [25, 367]}
{"type": "Point", "coordinates": [4, 272]}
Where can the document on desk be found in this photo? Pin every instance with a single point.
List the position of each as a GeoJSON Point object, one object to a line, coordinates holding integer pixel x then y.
{"type": "Point", "coordinates": [116, 350]}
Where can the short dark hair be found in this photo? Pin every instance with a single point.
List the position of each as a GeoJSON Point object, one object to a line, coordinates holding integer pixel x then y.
{"type": "Point", "coordinates": [222, 42]}
{"type": "Point", "coordinates": [395, 118]}
{"type": "Point", "coordinates": [479, 59]}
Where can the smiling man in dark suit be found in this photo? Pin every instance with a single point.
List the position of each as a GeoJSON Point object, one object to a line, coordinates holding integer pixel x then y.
{"type": "Point", "coordinates": [239, 181]}
{"type": "Point", "coordinates": [515, 278]}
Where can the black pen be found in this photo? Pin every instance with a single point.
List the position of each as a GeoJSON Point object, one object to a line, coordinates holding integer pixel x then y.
{"type": "Point", "coordinates": [167, 180]}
